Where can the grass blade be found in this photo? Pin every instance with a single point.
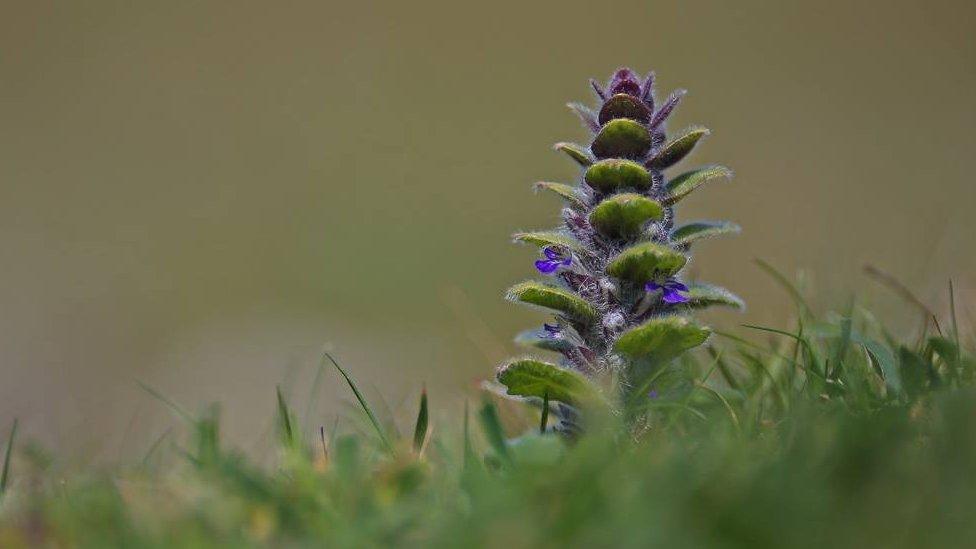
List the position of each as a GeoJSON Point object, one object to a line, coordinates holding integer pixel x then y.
{"type": "Point", "coordinates": [175, 408]}
{"type": "Point", "coordinates": [364, 405]}
{"type": "Point", "coordinates": [420, 429]}
{"type": "Point", "coordinates": [955, 322]}
{"type": "Point", "coordinates": [493, 430]}
{"type": "Point", "coordinates": [5, 475]}
{"type": "Point", "coordinates": [286, 427]}
{"type": "Point", "coordinates": [786, 284]}
{"type": "Point", "coordinates": [543, 423]}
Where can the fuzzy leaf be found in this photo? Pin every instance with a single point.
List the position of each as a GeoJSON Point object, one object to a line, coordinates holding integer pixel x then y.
{"type": "Point", "coordinates": [567, 192]}
{"type": "Point", "coordinates": [661, 339]}
{"type": "Point", "coordinates": [553, 299]}
{"type": "Point", "coordinates": [680, 186]}
{"type": "Point", "coordinates": [624, 215]}
{"type": "Point", "coordinates": [586, 115]}
{"type": "Point", "coordinates": [623, 105]}
{"type": "Point", "coordinates": [706, 295]}
{"type": "Point", "coordinates": [698, 230]}
{"type": "Point", "coordinates": [608, 176]}
{"type": "Point", "coordinates": [646, 261]}
{"type": "Point", "coordinates": [622, 138]}
{"type": "Point", "coordinates": [664, 112]}
{"type": "Point", "coordinates": [541, 340]}
{"type": "Point", "coordinates": [528, 377]}
{"type": "Point", "coordinates": [549, 238]}
{"type": "Point", "coordinates": [576, 152]}
{"type": "Point", "coordinates": [677, 149]}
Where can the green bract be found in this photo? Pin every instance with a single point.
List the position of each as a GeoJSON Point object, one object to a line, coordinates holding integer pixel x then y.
{"type": "Point", "coordinates": [535, 378]}
{"type": "Point", "coordinates": [624, 215]}
{"type": "Point", "coordinates": [623, 138]}
{"type": "Point", "coordinates": [661, 339]}
{"type": "Point", "coordinates": [646, 262]}
{"type": "Point", "coordinates": [554, 299]}
{"type": "Point", "coordinates": [678, 148]}
{"type": "Point", "coordinates": [691, 232]}
{"type": "Point", "coordinates": [607, 176]}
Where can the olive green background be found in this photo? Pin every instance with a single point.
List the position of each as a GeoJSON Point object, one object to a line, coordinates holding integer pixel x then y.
{"type": "Point", "coordinates": [201, 195]}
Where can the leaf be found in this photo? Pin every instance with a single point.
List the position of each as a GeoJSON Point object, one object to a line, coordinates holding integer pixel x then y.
{"type": "Point", "coordinates": [664, 112]}
{"type": "Point", "coordinates": [493, 430]}
{"type": "Point", "coordinates": [544, 420]}
{"type": "Point", "coordinates": [528, 377]}
{"type": "Point", "coordinates": [623, 216]}
{"type": "Point", "coordinates": [624, 105]}
{"type": "Point", "coordinates": [698, 230]}
{"type": "Point", "coordinates": [607, 176]}
{"type": "Point", "coordinates": [586, 115]}
{"type": "Point", "coordinates": [706, 295]}
{"type": "Point", "coordinates": [678, 148]}
{"type": "Point", "coordinates": [916, 373]}
{"type": "Point", "coordinates": [682, 185]}
{"type": "Point", "coordinates": [542, 340]}
{"type": "Point", "coordinates": [645, 262]}
{"type": "Point", "coordinates": [537, 451]}
{"type": "Point", "coordinates": [420, 428]}
{"type": "Point", "coordinates": [661, 339]}
{"type": "Point", "coordinates": [284, 416]}
{"type": "Point", "coordinates": [553, 299]}
{"type": "Point", "coordinates": [565, 191]}
{"type": "Point", "coordinates": [576, 152]}
{"type": "Point", "coordinates": [549, 238]}
{"type": "Point", "coordinates": [885, 360]}
{"type": "Point", "coordinates": [5, 474]}
{"type": "Point", "coordinates": [362, 402]}
{"type": "Point", "coordinates": [622, 138]}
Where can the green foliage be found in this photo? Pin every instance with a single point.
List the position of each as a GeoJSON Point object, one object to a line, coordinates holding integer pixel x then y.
{"type": "Point", "coordinates": [706, 295]}
{"type": "Point", "coordinates": [661, 339]}
{"type": "Point", "coordinates": [622, 138]}
{"type": "Point", "coordinates": [607, 176]}
{"type": "Point", "coordinates": [623, 216]}
{"type": "Point", "coordinates": [730, 439]}
{"type": "Point", "coordinates": [698, 230]}
{"type": "Point", "coordinates": [678, 148]}
{"type": "Point", "coordinates": [647, 261]}
{"type": "Point", "coordinates": [576, 152]}
{"type": "Point", "coordinates": [567, 192]}
{"type": "Point", "coordinates": [533, 378]}
{"type": "Point", "coordinates": [422, 423]}
{"type": "Point", "coordinates": [553, 299]}
{"type": "Point", "coordinates": [682, 185]}
{"type": "Point", "coordinates": [535, 339]}
{"type": "Point", "coordinates": [5, 472]}
{"type": "Point", "coordinates": [549, 238]}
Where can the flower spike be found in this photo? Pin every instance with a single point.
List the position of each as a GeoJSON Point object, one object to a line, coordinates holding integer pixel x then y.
{"type": "Point", "coordinates": [614, 267]}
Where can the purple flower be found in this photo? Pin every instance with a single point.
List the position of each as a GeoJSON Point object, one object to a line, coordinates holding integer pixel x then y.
{"type": "Point", "coordinates": [554, 260]}
{"type": "Point", "coordinates": [552, 332]}
{"type": "Point", "coordinates": [652, 394]}
{"type": "Point", "coordinates": [625, 81]}
{"type": "Point", "coordinates": [669, 290]}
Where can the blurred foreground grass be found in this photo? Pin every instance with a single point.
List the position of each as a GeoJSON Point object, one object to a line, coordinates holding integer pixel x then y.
{"type": "Point", "coordinates": [828, 433]}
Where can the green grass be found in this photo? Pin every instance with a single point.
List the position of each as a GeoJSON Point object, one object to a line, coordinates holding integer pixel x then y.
{"type": "Point", "coordinates": [828, 433]}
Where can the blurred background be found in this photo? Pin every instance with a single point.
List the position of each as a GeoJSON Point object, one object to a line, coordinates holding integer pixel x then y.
{"type": "Point", "coordinates": [204, 195]}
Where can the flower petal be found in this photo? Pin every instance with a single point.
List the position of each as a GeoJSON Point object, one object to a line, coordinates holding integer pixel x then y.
{"type": "Point", "coordinates": [672, 296]}
{"type": "Point", "coordinates": [546, 266]}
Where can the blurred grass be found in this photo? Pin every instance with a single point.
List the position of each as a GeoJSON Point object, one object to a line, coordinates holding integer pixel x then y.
{"type": "Point", "coordinates": [829, 432]}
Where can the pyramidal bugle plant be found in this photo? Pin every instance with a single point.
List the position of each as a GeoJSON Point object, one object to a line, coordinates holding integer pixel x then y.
{"type": "Point", "coordinates": [612, 272]}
